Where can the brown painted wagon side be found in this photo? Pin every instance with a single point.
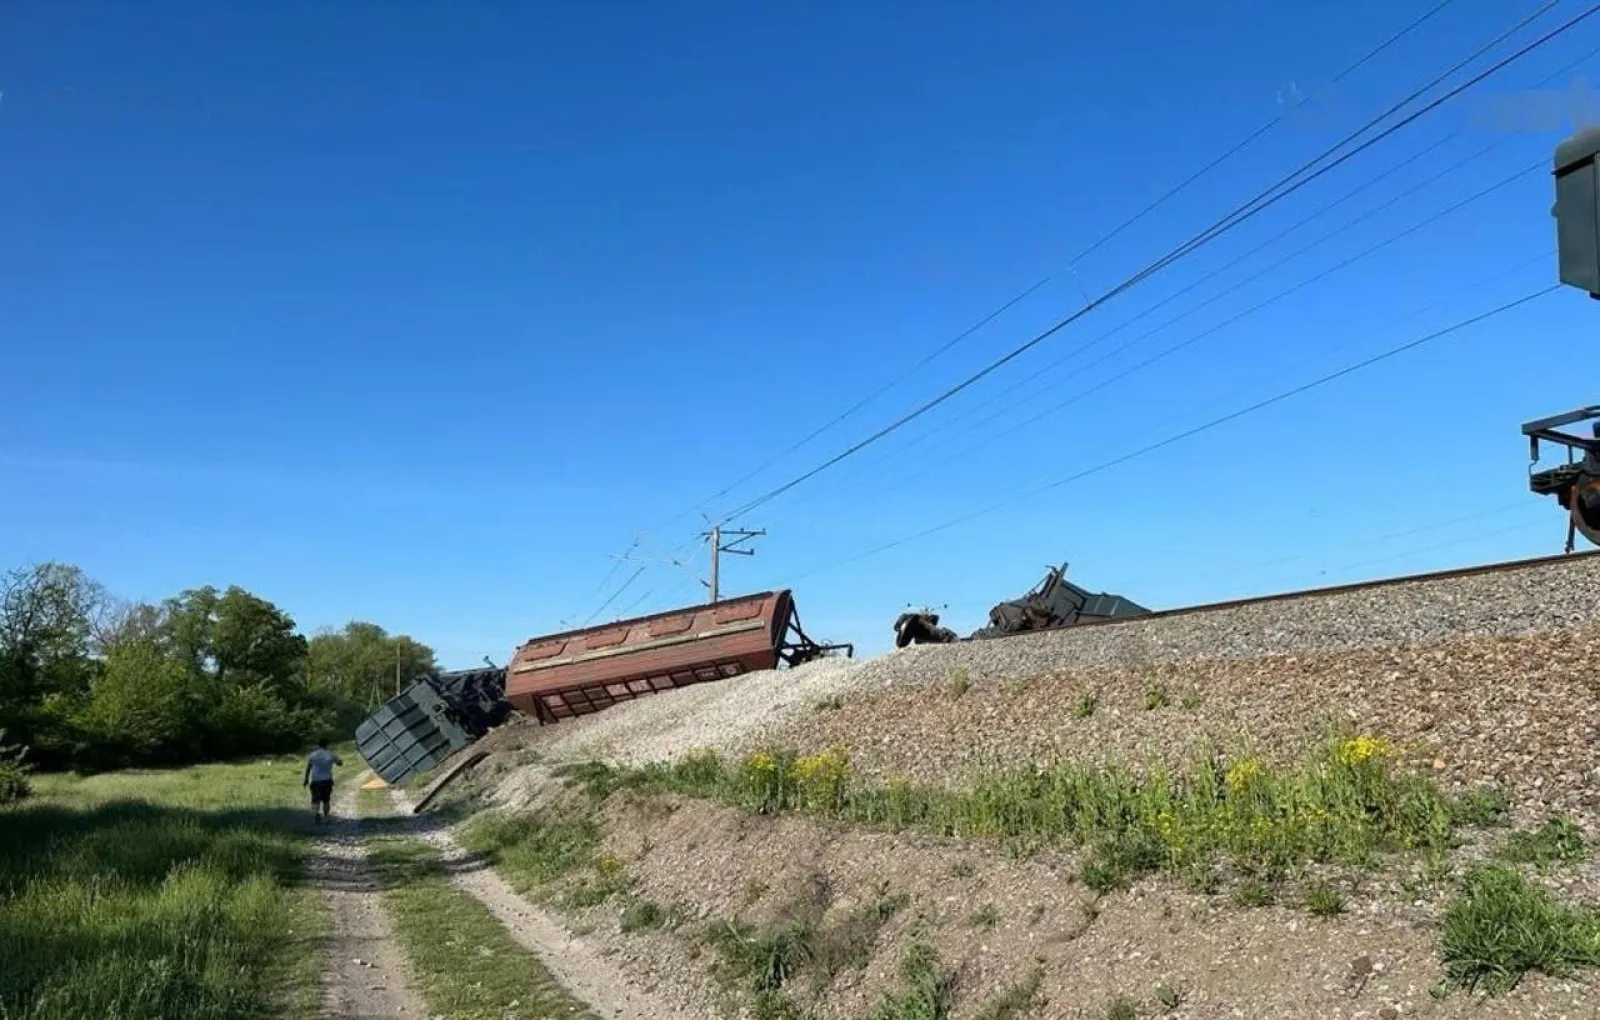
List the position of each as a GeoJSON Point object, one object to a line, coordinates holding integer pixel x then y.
{"type": "Point", "coordinates": [577, 672]}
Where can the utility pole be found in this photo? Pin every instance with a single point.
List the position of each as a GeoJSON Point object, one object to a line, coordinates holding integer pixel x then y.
{"type": "Point", "coordinates": [716, 535]}
{"type": "Point", "coordinates": [397, 668]}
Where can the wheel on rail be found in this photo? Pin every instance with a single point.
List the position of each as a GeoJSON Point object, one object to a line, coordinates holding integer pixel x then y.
{"type": "Point", "coordinates": [1584, 504]}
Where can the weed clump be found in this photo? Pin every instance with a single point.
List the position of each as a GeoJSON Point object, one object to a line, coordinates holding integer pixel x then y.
{"type": "Point", "coordinates": [959, 682]}
{"type": "Point", "coordinates": [1481, 808]}
{"type": "Point", "coordinates": [1558, 840]}
{"type": "Point", "coordinates": [1324, 901]}
{"type": "Point", "coordinates": [1016, 1001]}
{"type": "Point", "coordinates": [1121, 1008]}
{"type": "Point", "coordinates": [642, 915]}
{"type": "Point", "coordinates": [926, 992]}
{"type": "Point", "coordinates": [1501, 926]}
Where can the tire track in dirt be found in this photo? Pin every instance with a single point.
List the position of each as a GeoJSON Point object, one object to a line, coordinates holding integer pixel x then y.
{"type": "Point", "coordinates": [586, 974]}
{"type": "Point", "coordinates": [364, 975]}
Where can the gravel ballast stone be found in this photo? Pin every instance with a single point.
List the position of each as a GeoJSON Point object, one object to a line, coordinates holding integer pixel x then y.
{"type": "Point", "coordinates": [1415, 617]}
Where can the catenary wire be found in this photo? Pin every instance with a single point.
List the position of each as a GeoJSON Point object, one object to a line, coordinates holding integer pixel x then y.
{"type": "Point", "coordinates": [1233, 219]}
{"type": "Point", "coordinates": [899, 453]}
{"type": "Point", "coordinates": [1228, 223]}
{"type": "Point", "coordinates": [1277, 398]}
{"type": "Point", "coordinates": [944, 460]}
{"type": "Point", "coordinates": [1104, 239]}
{"type": "Point", "coordinates": [1171, 349]}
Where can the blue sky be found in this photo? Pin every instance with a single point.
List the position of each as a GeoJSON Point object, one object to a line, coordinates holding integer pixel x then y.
{"type": "Point", "coordinates": [420, 313]}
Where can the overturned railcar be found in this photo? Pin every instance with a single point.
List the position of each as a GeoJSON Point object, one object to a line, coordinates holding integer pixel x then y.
{"type": "Point", "coordinates": [429, 721]}
{"type": "Point", "coordinates": [578, 672]}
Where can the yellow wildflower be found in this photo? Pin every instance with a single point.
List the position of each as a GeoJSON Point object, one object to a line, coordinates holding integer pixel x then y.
{"type": "Point", "coordinates": [1242, 773]}
{"type": "Point", "coordinates": [1359, 750]}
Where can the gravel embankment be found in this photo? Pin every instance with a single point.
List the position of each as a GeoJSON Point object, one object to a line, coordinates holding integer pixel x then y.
{"type": "Point", "coordinates": [1366, 654]}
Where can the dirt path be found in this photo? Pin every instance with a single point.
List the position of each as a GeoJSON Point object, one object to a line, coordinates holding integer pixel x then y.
{"type": "Point", "coordinates": [365, 976]}
{"type": "Point", "coordinates": [610, 992]}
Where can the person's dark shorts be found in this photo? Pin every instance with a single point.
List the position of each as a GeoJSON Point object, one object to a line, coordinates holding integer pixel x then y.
{"type": "Point", "coordinates": [321, 791]}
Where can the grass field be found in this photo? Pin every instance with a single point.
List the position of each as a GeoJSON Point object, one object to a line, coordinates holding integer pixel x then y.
{"type": "Point", "coordinates": [159, 895]}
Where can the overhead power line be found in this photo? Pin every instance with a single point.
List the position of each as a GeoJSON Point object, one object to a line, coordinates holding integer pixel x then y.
{"type": "Point", "coordinates": [900, 453]}
{"type": "Point", "coordinates": [1104, 239]}
{"type": "Point", "coordinates": [1227, 223]}
{"type": "Point", "coordinates": [1207, 426]}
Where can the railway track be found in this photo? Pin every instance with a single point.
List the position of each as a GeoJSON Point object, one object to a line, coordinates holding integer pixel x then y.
{"type": "Point", "coordinates": [1504, 566]}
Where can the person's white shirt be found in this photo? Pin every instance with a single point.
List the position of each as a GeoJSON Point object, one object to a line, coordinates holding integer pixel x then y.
{"type": "Point", "coordinates": [321, 763]}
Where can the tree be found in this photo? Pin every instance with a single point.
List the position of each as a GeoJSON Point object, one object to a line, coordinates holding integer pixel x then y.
{"type": "Point", "coordinates": [87, 679]}
{"type": "Point", "coordinates": [46, 614]}
{"type": "Point", "coordinates": [139, 709]}
{"type": "Point", "coordinates": [235, 638]}
{"type": "Point", "coordinates": [363, 661]}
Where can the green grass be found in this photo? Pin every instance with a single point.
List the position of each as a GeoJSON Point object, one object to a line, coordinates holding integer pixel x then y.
{"type": "Point", "coordinates": [1017, 1001]}
{"type": "Point", "coordinates": [1324, 901]}
{"type": "Point", "coordinates": [1501, 926]}
{"type": "Point", "coordinates": [1557, 841]}
{"type": "Point", "coordinates": [157, 894]}
{"type": "Point", "coordinates": [926, 990]}
{"type": "Point", "coordinates": [1483, 807]}
{"type": "Point", "coordinates": [642, 915]}
{"type": "Point", "coordinates": [1347, 804]}
{"type": "Point", "coordinates": [466, 965]}
{"type": "Point", "coordinates": [1121, 1008]}
{"type": "Point", "coordinates": [532, 853]}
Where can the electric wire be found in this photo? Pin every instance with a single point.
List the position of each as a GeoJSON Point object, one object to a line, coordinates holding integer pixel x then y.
{"type": "Point", "coordinates": [1227, 223]}
{"type": "Point", "coordinates": [1172, 349]}
{"type": "Point", "coordinates": [899, 454]}
{"type": "Point", "coordinates": [1070, 355]}
{"type": "Point", "coordinates": [1233, 219]}
{"type": "Point", "coordinates": [945, 460]}
{"type": "Point", "coordinates": [1105, 238]}
{"type": "Point", "coordinates": [1207, 426]}
{"type": "Point", "coordinates": [1042, 373]}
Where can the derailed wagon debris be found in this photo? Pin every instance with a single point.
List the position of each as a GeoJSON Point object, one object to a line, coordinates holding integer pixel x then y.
{"type": "Point", "coordinates": [1054, 602]}
{"type": "Point", "coordinates": [582, 671]}
{"type": "Point", "coordinates": [432, 719]}
{"type": "Point", "coordinates": [559, 676]}
{"type": "Point", "coordinates": [1575, 484]}
{"type": "Point", "coordinates": [921, 628]}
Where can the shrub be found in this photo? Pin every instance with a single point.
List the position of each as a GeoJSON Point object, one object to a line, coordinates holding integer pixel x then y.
{"type": "Point", "coordinates": [14, 785]}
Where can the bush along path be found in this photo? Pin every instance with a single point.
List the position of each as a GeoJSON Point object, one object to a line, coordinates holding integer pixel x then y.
{"type": "Point", "coordinates": [476, 948]}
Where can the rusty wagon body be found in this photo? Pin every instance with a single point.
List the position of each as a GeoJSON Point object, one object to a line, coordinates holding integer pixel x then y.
{"type": "Point", "coordinates": [559, 676]}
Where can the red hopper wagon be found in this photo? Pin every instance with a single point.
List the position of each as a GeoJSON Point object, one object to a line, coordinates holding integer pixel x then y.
{"type": "Point", "coordinates": [577, 672]}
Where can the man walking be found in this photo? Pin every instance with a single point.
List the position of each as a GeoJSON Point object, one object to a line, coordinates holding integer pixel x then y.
{"type": "Point", "coordinates": [319, 776]}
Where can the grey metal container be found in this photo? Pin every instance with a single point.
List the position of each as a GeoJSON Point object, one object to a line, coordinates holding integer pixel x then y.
{"type": "Point", "coordinates": [410, 733]}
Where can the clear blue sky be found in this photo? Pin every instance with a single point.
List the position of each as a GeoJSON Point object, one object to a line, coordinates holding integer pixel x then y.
{"type": "Point", "coordinates": [418, 312]}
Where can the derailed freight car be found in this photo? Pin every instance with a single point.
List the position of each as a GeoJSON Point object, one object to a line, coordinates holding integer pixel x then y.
{"type": "Point", "coordinates": [577, 672]}
{"type": "Point", "coordinates": [559, 676]}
